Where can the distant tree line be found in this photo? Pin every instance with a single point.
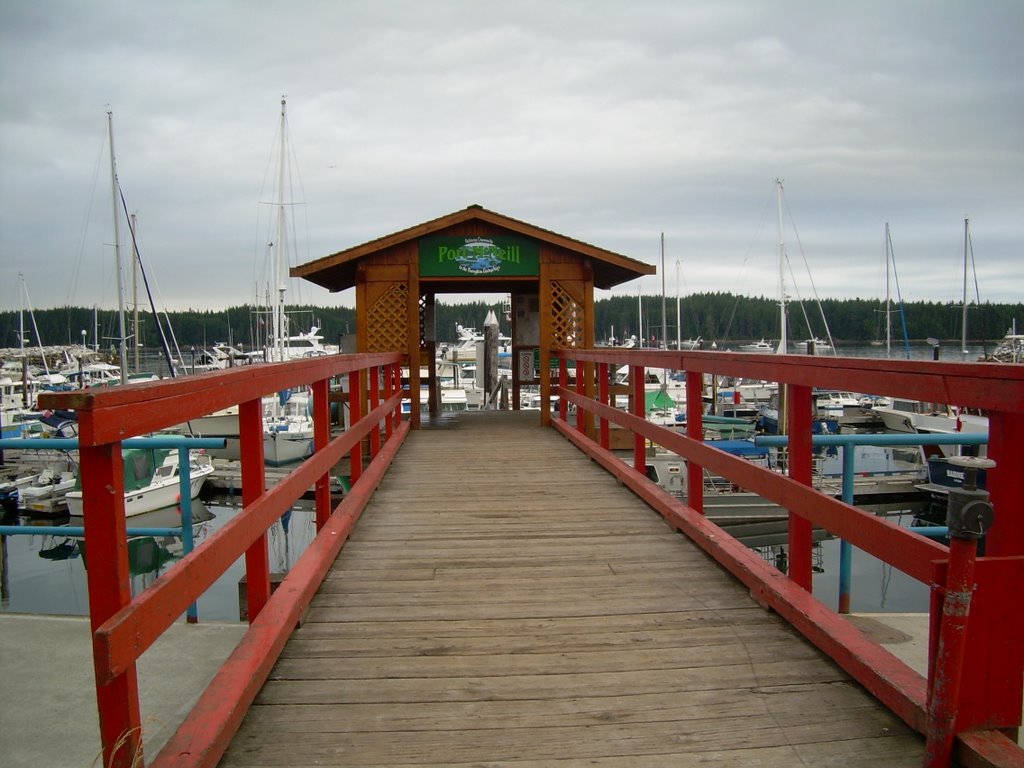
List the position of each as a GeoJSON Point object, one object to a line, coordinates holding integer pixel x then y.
{"type": "Point", "coordinates": [727, 317]}
{"type": "Point", "coordinates": [716, 317]}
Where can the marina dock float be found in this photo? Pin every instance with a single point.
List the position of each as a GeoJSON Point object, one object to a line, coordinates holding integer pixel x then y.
{"type": "Point", "coordinates": [49, 717]}
{"type": "Point", "coordinates": [480, 614]}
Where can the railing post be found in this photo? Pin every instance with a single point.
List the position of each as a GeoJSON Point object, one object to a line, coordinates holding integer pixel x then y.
{"type": "Point", "coordinates": [389, 390]}
{"type": "Point", "coordinates": [1005, 483]}
{"type": "Point", "coordinates": [396, 377]}
{"type": "Point", "coordinates": [845, 548]}
{"type": "Point", "coordinates": [185, 507]}
{"type": "Point", "coordinates": [695, 431]}
{"type": "Point", "coordinates": [581, 390]}
{"type": "Point", "coordinates": [355, 410]}
{"type": "Point", "coordinates": [563, 384]}
{"type": "Point", "coordinates": [944, 693]}
{"type": "Point", "coordinates": [636, 373]}
{"type": "Point", "coordinates": [602, 396]}
{"type": "Point", "coordinates": [374, 374]}
{"type": "Point", "coordinates": [109, 584]}
{"type": "Point", "coordinates": [799, 427]}
{"type": "Point", "coordinates": [257, 557]}
{"type": "Point", "coordinates": [321, 437]}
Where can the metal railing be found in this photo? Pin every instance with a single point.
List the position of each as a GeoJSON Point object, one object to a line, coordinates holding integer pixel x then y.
{"type": "Point", "coordinates": [969, 694]}
{"type": "Point", "coordinates": [175, 442]}
{"type": "Point", "coordinates": [123, 627]}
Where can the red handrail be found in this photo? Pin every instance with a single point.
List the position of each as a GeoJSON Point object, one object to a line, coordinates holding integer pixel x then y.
{"type": "Point", "coordinates": [123, 628]}
{"type": "Point", "coordinates": [988, 688]}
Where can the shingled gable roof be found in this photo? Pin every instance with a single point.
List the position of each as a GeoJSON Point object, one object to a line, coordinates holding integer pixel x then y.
{"type": "Point", "coordinates": [338, 271]}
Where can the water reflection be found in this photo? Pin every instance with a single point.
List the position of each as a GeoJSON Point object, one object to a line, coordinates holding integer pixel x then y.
{"type": "Point", "coordinates": [45, 573]}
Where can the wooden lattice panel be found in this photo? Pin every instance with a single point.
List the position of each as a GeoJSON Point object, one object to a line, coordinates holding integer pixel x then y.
{"type": "Point", "coordinates": [566, 319]}
{"type": "Point", "coordinates": [387, 320]}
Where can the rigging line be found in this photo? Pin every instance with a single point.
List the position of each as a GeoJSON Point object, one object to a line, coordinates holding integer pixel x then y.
{"type": "Point", "coordinates": [899, 299]}
{"type": "Point", "coordinates": [797, 295]}
{"type": "Point", "coordinates": [167, 316]}
{"type": "Point", "coordinates": [810, 277]}
{"type": "Point", "coordinates": [746, 260]}
{"type": "Point", "coordinates": [73, 282]}
{"type": "Point", "coordinates": [35, 328]}
{"type": "Point", "coordinates": [974, 269]}
{"type": "Point", "coordinates": [145, 280]}
{"type": "Point", "coordinates": [260, 240]}
{"type": "Point", "coordinates": [295, 172]}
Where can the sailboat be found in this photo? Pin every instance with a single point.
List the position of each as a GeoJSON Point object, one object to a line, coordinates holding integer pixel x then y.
{"type": "Point", "coordinates": [287, 420]}
{"type": "Point", "coordinates": [892, 276]}
{"type": "Point", "coordinates": [967, 250]}
{"type": "Point", "coordinates": [122, 351]}
{"type": "Point", "coordinates": [287, 423]}
{"type": "Point", "coordinates": [815, 344]}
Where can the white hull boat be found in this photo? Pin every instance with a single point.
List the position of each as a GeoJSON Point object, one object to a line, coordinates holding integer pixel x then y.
{"type": "Point", "coordinates": [163, 488]}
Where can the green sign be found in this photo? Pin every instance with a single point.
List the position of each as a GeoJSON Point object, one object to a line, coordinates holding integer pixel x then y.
{"type": "Point", "coordinates": [491, 256]}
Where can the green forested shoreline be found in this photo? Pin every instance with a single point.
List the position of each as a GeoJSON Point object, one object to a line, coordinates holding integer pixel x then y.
{"type": "Point", "coordinates": [711, 316]}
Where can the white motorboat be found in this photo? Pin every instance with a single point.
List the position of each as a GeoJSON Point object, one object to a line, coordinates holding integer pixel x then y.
{"type": "Point", "coordinates": [46, 491]}
{"type": "Point", "coordinates": [913, 416]}
{"type": "Point", "coordinates": [464, 348]}
{"type": "Point", "coordinates": [835, 404]}
{"type": "Point", "coordinates": [152, 480]}
{"type": "Point", "coordinates": [761, 347]}
{"type": "Point", "coordinates": [821, 346]}
{"type": "Point", "coordinates": [287, 430]}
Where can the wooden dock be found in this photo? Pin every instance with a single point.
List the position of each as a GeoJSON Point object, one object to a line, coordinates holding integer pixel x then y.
{"type": "Point", "coordinates": [503, 601]}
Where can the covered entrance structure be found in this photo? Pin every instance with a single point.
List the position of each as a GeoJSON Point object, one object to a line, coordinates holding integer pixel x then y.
{"type": "Point", "coordinates": [550, 278]}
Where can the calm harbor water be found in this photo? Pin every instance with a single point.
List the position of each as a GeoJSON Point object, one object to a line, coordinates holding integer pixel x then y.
{"type": "Point", "coordinates": [46, 573]}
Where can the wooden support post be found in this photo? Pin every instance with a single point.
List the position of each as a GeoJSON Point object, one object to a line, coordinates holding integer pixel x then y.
{"type": "Point", "coordinates": [695, 430]}
{"type": "Point", "coordinates": [603, 396]}
{"type": "Point", "coordinates": [563, 384]}
{"type": "Point", "coordinates": [1005, 483]}
{"type": "Point", "coordinates": [355, 412]}
{"type": "Point", "coordinates": [389, 390]}
{"type": "Point", "coordinates": [636, 374]}
{"type": "Point", "coordinates": [109, 591]}
{"type": "Point", "coordinates": [374, 374]}
{"type": "Point", "coordinates": [322, 436]}
{"type": "Point", "coordinates": [396, 377]}
{"type": "Point", "coordinates": [581, 390]}
{"type": "Point", "coordinates": [257, 558]}
{"type": "Point", "coordinates": [800, 539]}
{"type": "Point", "coordinates": [944, 692]}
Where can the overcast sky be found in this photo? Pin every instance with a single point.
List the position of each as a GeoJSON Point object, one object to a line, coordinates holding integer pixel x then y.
{"type": "Point", "coordinates": [608, 122]}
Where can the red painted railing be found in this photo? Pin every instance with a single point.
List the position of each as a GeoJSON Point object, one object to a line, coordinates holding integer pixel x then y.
{"type": "Point", "coordinates": [123, 628]}
{"type": "Point", "coordinates": [971, 693]}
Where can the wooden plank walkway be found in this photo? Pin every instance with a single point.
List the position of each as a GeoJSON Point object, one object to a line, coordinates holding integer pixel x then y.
{"type": "Point", "coordinates": [503, 601]}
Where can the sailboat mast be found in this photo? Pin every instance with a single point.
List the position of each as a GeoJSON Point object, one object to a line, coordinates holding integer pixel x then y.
{"type": "Point", "coordinates": [664, 318]}
{"type": "Point", "coordinates": [122, 352]}
{"type": "Point", "coordinates": [21, 316]}
{"type": "Point", "coordinates": [963, 324]}
{"type": "Point", "coordinates": [679, 324]}
{"type": "Point", "coordinates": [135, 292]}
{"type": "Point", "coordinates": [279, 257]}
{"type": "Point", "coordinates": [640, 314]}
{"type": "Point", "coordinates": [888, 301]}
{"type": "Point", "coordinates": [782, 274]}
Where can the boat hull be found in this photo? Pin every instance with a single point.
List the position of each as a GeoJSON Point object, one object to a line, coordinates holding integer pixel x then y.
{"type": "Point", "coordinates": [156, 496]}
{"type": "Point", "coordinates": [281, 448]}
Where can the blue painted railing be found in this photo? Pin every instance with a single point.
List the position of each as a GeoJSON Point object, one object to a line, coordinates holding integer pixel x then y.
{"type": "Point", "coordinates": [849, 441]}
{"type": "Point", "coordinates": [179, 442]}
